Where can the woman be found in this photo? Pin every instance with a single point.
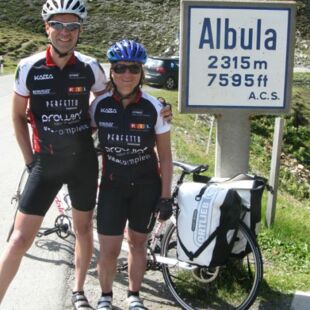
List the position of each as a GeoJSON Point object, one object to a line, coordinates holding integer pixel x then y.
{"type": "Point", "coordinates": [134, 187]}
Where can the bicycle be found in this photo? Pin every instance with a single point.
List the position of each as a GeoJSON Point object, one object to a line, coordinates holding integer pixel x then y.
{"type": "Point", "coordinates": [232, 286]}
{"type": "Point", "coordinates": [62, 224]}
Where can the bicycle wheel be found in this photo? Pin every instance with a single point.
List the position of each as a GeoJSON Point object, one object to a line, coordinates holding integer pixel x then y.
{"type": "Point", "coordinates": [233, 286]}
{"type": "Point", "coordinates": [16, 198]}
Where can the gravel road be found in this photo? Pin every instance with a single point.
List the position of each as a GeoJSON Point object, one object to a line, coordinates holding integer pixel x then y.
{"type": "Point", "coordinates": [154, 292]}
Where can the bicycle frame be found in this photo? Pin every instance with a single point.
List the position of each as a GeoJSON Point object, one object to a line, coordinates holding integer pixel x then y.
{"type": "Point", "coordinates": [155, 258]}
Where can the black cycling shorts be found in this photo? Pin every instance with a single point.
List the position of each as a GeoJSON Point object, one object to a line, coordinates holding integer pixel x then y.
{"type": "Point", "coordinates": [50, 172]}
{"type": "Point", "coordinates": [132, 201]}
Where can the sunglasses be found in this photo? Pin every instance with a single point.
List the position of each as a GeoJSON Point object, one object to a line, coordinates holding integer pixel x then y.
{"type": "Point", "coordinates": [134, 69]}
{"type": "Point", "coordinates": [60, 26]}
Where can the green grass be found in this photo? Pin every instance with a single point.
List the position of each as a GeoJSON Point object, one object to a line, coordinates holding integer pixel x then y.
{"type": "Point", "coordinates": [15, 46]}
{"type": "Point", "coordinates": [285, 246]}
{"type": "Point", "coordinates": [190, 135]}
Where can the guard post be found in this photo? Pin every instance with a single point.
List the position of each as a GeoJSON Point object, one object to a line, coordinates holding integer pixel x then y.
{"type": "Point", "coordinates": [1, 64]}
{"type": "Point", "coordinates": [236, 60]}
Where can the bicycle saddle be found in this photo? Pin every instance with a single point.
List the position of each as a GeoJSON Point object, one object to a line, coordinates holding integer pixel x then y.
{"type": "Point", "coordinates": [188, 168]}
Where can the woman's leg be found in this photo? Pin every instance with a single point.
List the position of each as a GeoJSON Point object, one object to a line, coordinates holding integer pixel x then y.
{"type": "Point", "coordinates": [136, 259]}
{"type": "Point", "coordinates": [110, 247]}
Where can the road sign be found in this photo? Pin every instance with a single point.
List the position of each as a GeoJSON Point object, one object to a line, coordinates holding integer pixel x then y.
{"type": "Point", "coordinates": [236, 54]}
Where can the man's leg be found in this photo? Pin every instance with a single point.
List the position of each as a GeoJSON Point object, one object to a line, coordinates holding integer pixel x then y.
{"type": "Point", "coordinates": [25, 230]}
{"type": "Point", "coordinates": [82, 187]}
{"type": "Point", "coordinates": [83, 229]}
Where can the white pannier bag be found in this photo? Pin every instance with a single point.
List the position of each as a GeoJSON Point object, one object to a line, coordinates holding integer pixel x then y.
{"type": "Point", "coordinates": [250, 189]}
{"type": "Point", "coordinates": [207, 221]}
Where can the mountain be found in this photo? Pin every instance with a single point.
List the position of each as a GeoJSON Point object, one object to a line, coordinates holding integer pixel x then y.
{"type": "Point", "coordinates": [155, 23]}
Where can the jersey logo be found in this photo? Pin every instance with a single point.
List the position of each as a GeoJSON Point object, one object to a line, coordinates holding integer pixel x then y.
{"type": "Point", "coordinates": [129, 139]}
{"type": "Point", "coordinates": [75, 76]}
{"type": "Point", "coordinates": [68, 118]}
{"type": "Point", "coordinates": [139, 126]}
{"type": "Point", "coordinates": [106, 124]}
{"type": "Point", "coordinates": [41, 91]}
{"type": "Point", "coordinates": [137, 112]}
{"type": "Point", "coordinates": [108, 110]}
{"type": "Point", "coordinates": [76, 90]}
{"type": "Point", "coordinates": [69, 104]}
{"type": "Point", "coordinates": [42, 77]}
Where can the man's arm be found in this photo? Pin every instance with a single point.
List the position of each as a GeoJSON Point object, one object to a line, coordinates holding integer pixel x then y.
{"type": "Point", "coordinates": [163, 146]}
{"type": "Point", "coordinates": [19, 118]}
{"type": "Point", "coordinates": [164, 205]}
{"type": "Point", "coordinates": [93, 96]}
{"type": "Point", "coordinates": [166, 111]}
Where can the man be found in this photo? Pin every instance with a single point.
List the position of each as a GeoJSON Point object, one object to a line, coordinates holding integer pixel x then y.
{"type": "Point", "coordinates": [54, 88]}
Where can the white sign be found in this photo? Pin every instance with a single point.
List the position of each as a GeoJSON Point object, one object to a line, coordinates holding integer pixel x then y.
{"type": "Point", "coordinates": [237, 55]}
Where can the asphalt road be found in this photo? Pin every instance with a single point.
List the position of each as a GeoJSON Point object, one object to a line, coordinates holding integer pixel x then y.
{"type": "Point", "coordinates": [43, 271]}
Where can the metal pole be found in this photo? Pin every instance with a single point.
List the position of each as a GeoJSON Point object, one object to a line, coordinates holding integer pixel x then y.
{"type": "Point", "coordinates": [210, 134]}
{"type": "Point", "coordinates": [274, 171]}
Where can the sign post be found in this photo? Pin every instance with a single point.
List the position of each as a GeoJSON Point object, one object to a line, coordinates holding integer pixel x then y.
{"type": "Point", "coordinates": [236, 61]}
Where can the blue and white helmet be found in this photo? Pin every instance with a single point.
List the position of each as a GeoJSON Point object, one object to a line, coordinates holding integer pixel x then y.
{"type": "Point", "coordinates": [127, 50]}
{"type": "Point", "coordinates": [52, 7]}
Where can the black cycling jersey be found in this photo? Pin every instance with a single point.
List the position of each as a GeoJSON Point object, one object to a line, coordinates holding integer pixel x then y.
{"type": "Point", "coordinates": [59, 101]}
{"type": "Point", "coordinates": [127, 135]}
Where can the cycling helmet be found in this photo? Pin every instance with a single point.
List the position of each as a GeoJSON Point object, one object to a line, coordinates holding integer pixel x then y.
{"type": "Point", "coordinates": [52, 7]}
{"type": "Point", "coordinates": [127, 50]}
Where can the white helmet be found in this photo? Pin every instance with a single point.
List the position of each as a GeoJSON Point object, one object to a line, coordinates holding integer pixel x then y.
{"type": "Point", "coordinates": [52, 7]}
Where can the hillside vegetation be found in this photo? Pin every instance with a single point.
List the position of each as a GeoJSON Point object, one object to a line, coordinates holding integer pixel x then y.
{"type": "Point", "coordinates": [153, 22]}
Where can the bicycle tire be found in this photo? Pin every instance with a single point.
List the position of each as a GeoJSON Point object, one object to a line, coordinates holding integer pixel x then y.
{"type": "Point", "coordinates": [235, 286]}
{"type": "Point", "coordinates": [16, 198]}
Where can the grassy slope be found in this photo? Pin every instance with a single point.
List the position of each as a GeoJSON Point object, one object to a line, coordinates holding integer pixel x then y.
{"type": "Point", "coordinates": [108, 21]}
